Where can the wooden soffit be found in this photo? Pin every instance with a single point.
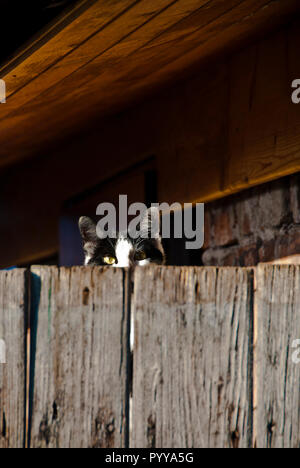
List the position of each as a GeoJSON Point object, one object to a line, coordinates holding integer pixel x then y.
{"type": "Point", "coordinates": [104, 55]}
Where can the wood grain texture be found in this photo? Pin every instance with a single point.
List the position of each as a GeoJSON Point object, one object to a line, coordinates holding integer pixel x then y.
{"type": "Point", "coordinates": [192, 358]}
{"type": "Point", "coordinates": [277, 376]}
{"type": "Point", "coordinates": [64, 36]}
{"type": "Point", "coordinates": [79, 355]}
{"type": "Point", "coordinates": [115, 54]}
{"type": "Point", "coordinates": [263, 122]}
{"type": "Point", "coordinates": [12, 374]}
{"type": "Point", "coordinates": [196, 380]}
{"type": "Point", "coordinates": [113, 32]}
{"type": "Point", "coordinates": [106, 34]}
{"type": "Point", "coordinates": [109, 25]}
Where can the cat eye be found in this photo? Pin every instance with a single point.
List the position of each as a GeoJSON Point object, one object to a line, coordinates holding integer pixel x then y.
{"type": "Point", "coordinates": [109, 260]}
{"type": "Point", "coordinates": [139, 256]}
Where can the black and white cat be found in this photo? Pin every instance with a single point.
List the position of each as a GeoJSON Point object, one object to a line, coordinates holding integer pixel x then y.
{"type": "Point", "coordinates": [122, 250]}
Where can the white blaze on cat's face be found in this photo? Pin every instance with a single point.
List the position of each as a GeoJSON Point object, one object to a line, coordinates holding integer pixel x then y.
{"type": "Point", "coordinates": [123, 250]}
{"type": "Point", "coordinates": [124, 254]}
{"type": "Point", "coordinates": [87, 259]}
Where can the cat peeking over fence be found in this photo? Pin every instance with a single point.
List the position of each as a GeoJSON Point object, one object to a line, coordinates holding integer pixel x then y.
{"type": "Point", "coordinates": [123, 249]}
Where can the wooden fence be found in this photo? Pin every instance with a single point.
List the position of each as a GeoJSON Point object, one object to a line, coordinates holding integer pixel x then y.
{"type": "Point", "coordinates": [215, 358]}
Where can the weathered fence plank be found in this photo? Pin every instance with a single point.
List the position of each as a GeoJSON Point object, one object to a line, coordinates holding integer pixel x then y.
{"type": "Point", "coordinates": [12, 352]}
{"type": "Point", "coordinates": [277, 366]}
{"type": "Point", "coordinates": [80, 357]}
{"type": "Point", "coordinates": [192, 372]}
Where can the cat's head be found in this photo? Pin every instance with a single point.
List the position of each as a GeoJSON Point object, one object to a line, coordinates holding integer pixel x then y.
{"type": "Point", "coordinates": [123, 250]}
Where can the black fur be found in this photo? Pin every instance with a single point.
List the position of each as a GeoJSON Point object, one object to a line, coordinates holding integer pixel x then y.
{"type": "Point", "coordinates": [96, 249]}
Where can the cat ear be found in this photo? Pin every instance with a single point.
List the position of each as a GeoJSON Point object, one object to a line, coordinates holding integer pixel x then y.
{"type": "Point", "coordinates": [87, 229]}
{"type": "Point", "coordinates": [150, 223]}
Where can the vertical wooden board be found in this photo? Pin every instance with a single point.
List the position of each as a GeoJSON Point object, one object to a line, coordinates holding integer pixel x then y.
{"type": "Point", "coordinates": [192, 368]}
{"type": "Point", "coordinates": [263, 121]}
{"type": "Point", "coordinates": [277, 373]}
{"type": "Point", "coordinates": [80, 358]}
{"type": "Point", "coordinates": [12, 348]}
